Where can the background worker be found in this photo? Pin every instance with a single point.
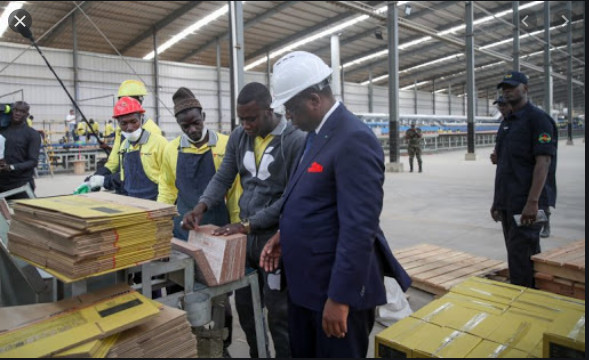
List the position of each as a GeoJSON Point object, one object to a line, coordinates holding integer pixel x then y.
{"type": "Point", "coordinates": [334, 252]}
{"type": "Point", "coordinates": [109, 132]}
{"type": "Point", "coordinates": [21, 151]}
{"type": "Point", "coordinates": [70, 125]}
{"type": "Point", "coordinates": [525, 178]}
{"type": "Point", "coordinates": [111, 169]}
{"type": "Point", "coordinates": [141, 153]}
{"type": "Point", "coordinates": [90, 137]}
{"type": "Point", "coordinates": [80, 132]}
{"type": "Point", "coordinates": [414, 137]}
{"type": "Point", "coordinates": [189, 163]}
{"type": "Point", "coordinates": [263, 152]}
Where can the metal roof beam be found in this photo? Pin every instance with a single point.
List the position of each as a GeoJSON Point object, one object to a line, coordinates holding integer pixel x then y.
{"type": "Point", "coordinates": [293, 37]}
{"type": "Point", "coordinates": [49, 37]}
{"type": "Point", "coordinates": [250, 23]}
{"type": "Point", "coordinates": [173, 16]}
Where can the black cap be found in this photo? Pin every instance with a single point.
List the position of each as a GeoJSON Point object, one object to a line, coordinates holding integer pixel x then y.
{"type": "Point", "coordinates": [500, 100]}
{"type": "Point", "coordinates": [513, 78]}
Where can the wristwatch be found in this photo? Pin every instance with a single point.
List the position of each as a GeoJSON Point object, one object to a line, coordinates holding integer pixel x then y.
{"type": "Point", "coordinates": [11, 167]}
{"type": "Point", "coordinates": [246, 224]}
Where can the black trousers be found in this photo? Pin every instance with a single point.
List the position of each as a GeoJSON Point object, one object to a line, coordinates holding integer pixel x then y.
{"type": "Point", "coordinates": [308, 340]}
{"type": "Point", "coordinates": [522, 242]}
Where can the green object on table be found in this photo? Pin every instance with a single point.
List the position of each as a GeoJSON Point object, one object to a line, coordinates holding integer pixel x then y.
{"type": "Point", "coordinates": [82, 189]}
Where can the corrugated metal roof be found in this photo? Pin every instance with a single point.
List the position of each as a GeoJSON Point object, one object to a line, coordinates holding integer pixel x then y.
{"type": "Point", "coordinates": [270, 25]}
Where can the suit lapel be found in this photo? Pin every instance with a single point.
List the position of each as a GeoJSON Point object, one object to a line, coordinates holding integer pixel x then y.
{"type": "Point", "coordinates": [324, 136]}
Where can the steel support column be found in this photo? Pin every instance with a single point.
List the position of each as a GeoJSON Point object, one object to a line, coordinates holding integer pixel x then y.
{"type": "Point", "coordinates": [156, 78]}
{"type": "Point", "coordinates": [237, 57]}
{"type": "Point", "coordinates": [219, 87]}
{"type": "Point", "coordinates": [470, 82]}
{"type": "Point", "coordinates": [434, 96]}
{"type": "Point", "coordinates": [570, 73]}
{"type": "Point", "coordinates": [547, 65]}
{"type": "Point", "coordinates": [336, 84]}
{"type": "Point", "coordinates": [75, 63]}
{"type": "Point", "coordinates": [449, 99]}
{"type": "Point", "coordinates": [515, 20]}
{"type": "Point", "coordinates": [415, 96]}
{"type": "Point", "coordinates": [370, 92]}
{"type": "Point", "coordinates": [393, 43]}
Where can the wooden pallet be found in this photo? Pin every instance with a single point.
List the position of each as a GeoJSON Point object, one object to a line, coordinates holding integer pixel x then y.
{"type": "Point", "coordinates": [562, 270]}
{"type": "Point", "coordinates": [436, 269]}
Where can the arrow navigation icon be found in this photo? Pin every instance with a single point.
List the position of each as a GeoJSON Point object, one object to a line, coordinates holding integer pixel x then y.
{"type": "Point", "coordinates": [524, 20]}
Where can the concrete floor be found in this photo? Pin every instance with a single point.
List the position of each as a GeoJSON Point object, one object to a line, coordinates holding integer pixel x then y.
{"type": "Point", "coordinates": [446, 205]}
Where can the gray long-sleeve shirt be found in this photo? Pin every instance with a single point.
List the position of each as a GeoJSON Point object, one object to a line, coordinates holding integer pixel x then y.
{"type": "Point", "coordinates": [262, 185]}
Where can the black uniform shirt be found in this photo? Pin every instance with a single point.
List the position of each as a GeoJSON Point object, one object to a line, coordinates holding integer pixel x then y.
{"type": "Point", "coordinates": [22, 151]}
{"type": "Point", "coordinates": [521, 137]}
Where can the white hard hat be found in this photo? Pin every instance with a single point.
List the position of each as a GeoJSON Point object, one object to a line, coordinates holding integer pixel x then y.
{"type": "Point", "coordinates": [294, 72]}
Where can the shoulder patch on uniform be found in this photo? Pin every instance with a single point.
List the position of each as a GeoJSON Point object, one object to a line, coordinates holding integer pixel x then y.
{"type": "Point", "coordinates": [544, 138]}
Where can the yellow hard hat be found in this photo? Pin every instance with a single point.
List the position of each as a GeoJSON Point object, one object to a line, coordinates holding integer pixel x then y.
{"type": "Point", "coordinates": [132, 88]}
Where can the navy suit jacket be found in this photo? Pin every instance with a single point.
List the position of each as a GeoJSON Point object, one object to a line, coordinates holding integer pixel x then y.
{"type": "Point", "coordinates": [332, 244]}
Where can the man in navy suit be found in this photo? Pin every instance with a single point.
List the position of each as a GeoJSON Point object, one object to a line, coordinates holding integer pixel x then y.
{"type": "Point", "coordinates": [333, 250]}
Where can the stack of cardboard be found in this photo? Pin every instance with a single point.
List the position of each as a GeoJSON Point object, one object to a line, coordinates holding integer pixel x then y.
{"type": "Point", "coordinates": [219, 259]}
{"type": "Point", "coordinates": [81, 235]}
{"type": "Point", "coordinates": [167, 336]}
{"type": "Point", "coordinates": [483, 318]}
{"type": "Point", "coordinates": [113, 322]}
{"type": "Point", "coordinates": [41, 330]}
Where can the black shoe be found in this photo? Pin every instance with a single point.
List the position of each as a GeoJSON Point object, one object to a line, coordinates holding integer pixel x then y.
{"type": "Point", "coordinates": [545, 231]}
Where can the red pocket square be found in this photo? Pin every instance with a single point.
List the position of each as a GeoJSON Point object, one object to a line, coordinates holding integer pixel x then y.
{"type": "Point", "coordinates": [315, 168]}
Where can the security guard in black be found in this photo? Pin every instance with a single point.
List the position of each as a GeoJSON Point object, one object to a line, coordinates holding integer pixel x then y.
{"type": "Point", "coordinates": [525, 177]}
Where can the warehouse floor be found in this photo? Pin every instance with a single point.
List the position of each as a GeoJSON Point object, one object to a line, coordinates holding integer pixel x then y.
{"type": "Point", "coordinates": [446, 205]}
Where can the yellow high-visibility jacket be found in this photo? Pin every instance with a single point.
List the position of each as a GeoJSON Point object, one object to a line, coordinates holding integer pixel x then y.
{"type": "Point", "coordinates": [168, 192]}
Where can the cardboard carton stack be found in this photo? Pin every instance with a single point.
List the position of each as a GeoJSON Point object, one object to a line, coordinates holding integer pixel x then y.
{"type": "Point", "coordinates": [481, 318]}
{"type": "Point", "coordinates": [80, 235]}
{"type": "Point", "coordinates": [112, 322]}
{"type": "Point", "coordinates": [219, 259]}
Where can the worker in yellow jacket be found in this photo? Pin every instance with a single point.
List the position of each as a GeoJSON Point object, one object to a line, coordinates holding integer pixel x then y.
{"type": "Point", "coordinates": [134, 89]}
{"type": "Point", "coordinates": [190, 161]}
{"type": "Point", "coordinates": [141, 153]}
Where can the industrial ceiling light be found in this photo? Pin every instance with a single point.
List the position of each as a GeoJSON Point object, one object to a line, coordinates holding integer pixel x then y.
{"type": "Point", "coordinates": [407, 9]}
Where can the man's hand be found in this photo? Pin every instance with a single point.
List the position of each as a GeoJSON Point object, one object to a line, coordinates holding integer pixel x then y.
{"type": "Point", "coordinates": [192, 218]}
{"type": "Point", "coordinates": [493, 157]}
{"type": "Point", "coordinates": [335, 319]}
{"type": "Point", "coordinates": [4, 166]}
{"type": "Point", "coordinates": [496, 214]}
{"type": "Point", "coordinates": [230, 229]}
{"type": "Point", "coordinates": [529, 213]}
{"type": "Point", "coordinates": [270, 256]}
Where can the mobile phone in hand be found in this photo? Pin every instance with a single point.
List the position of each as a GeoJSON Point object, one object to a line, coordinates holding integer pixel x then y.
{"type": "Point", "coordinates": [540, 218]}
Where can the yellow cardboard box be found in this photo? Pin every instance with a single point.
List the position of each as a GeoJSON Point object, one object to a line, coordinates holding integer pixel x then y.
{"type": "Point", "coordinates": [489, 290]}
{"type": "Point", "coordinates": [443, 342]}
{"type": "Point", "coordinates": [445, 312]}
{"type": "Point", "coordinates": [547, 302]}
{"type": "Point", "coordinates": [490, 349]}
{"type": "Point", "coordinates": [40, 330]}
{"type": "Point", "coordinates": [399, 339]}
{"type": "Point", "coordinates": [520, 333]}
{"type": "Point", "coordinates": [566, 336]}
{"type": "Point", "coordinates": [487, 306]}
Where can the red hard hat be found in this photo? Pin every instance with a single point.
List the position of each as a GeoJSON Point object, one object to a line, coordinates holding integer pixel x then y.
{"type": "Point", "coordinates": [127, 105]}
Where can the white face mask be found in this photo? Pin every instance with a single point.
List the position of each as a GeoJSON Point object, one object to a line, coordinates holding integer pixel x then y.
{"type": "Point", "coordinates": [202, 137]}
{"type": "Point", "coordinates": [132, 136]}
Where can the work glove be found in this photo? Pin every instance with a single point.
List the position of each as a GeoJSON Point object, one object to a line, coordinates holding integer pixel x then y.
{"type": "Point", "coordinates": [82, 189]}
{"type": "Point", "coordinates": [96, 182]}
